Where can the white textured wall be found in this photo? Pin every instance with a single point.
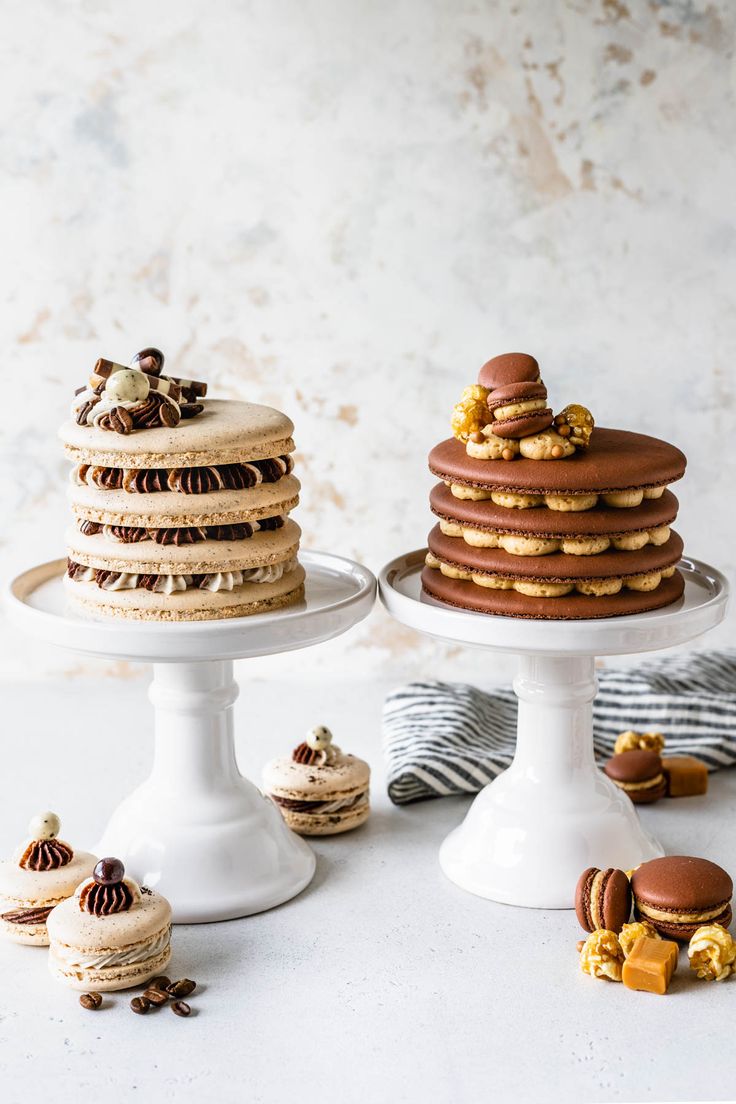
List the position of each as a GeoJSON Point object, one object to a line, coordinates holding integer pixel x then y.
{"type": "Point", "coordinates": [342, 208]}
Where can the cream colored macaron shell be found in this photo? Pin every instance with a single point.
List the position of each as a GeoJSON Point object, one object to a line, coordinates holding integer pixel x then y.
{"type": "Point", "coordinates": [226, 432]}
{"type": "Point", "coordinates": [338, 793]}
{"type": "Point", "coordinates": [38, 889]}
{"type": "Point", "coordinates": [105, 953]}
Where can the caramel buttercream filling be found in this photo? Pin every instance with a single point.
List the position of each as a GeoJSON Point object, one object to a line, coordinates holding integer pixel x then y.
{"type": "Point", "coordinates": [537, 588]}
{"type": "Point", "coordinates": [518, 544]}
{"type": "Point", "coordinates": [513, 500]}
{"type": "Point", "coordinates": [649, 784]}
{"type": "Point", "coordinates": [670, 916]}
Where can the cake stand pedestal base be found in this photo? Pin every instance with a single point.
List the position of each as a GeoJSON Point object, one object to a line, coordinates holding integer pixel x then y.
{"type": "Point", "coordinates": [197, 830]}
{"type": "Point", "coordinates": [531, 832]}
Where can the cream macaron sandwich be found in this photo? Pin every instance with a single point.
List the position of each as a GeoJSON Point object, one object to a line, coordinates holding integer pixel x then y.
{"type": "Point", "coordinates": [319, 790]}
{"type": "Point", "coordinates": [43, 872]}
{"type": "Point", "coordinates": [112, 934]}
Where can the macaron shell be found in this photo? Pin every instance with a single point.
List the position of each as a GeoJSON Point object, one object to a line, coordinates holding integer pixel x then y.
{"type": "Point", "coordinates": [681, 882]}
{"type": "Point", "coordinates": [582, 899]}
{"type": "Point", "coordinates": [524, 425]}
{"type": "Point", "coordinates": [508, 368]}
{"type": "Point", "coordinates": [226, 432]}
{"type": "Point", "coordinates": [612, 903]}
{"type": "Point", "coordinates": [516, 393]}
{"type": "Point", "coordinates": [616, 460]}
{"type": "Point", "coordinates": [326, 824]}
{"type": "Point", "coordinates": [267, 547]}
{"type": "Point", "coordinates": [109, 980]}
{"type": "Point", "coordinates": [509, 603]}
{"type": "Point", "coordinates": [634, 766]}
{"type": "Point", "coordinates": [30, 936]}
{"type": "Point", "coordinates": [21, 888]}
{"type": "Point", "coordinates": [163, 509]}
{"type": "Point", "coordinates": [539, 521]}
{"type": "Point", "coordinates": [310, 782]}
{"type": "Point", "coordinates": [70, 925]}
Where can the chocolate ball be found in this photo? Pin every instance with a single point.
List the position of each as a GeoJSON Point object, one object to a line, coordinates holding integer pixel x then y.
{"type": "Point", "coordinates": [109, 872]}
{"type": "Point", "coordinates": [154, 355]}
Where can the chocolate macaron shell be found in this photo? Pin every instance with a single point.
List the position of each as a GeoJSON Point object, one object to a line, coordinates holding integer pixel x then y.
{"type": "Point", "coordinates": [582, 898]}
{"type": "Point", "coordinates": [516, 393]}
{"type": "Point", "coordinates": [508, 368]}
{"type": "Point", "coordinates": [616, 460]}
{"type": "Point", "coordinates": [572, 607]}
{"type": "Point", "coordinates": [524, 425]}
{"type": "Point", "coordinates": [603, 899]}
{"type": "Point", "coordinates": [539, 521]}
{"type": "Point", "coordinates": [634, 766]}
{"type": "Point", "coordinates": [557, 566]}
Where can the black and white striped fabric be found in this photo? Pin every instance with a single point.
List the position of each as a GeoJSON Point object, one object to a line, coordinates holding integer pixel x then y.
{"type": "Point", "coordinates": [444, 738]}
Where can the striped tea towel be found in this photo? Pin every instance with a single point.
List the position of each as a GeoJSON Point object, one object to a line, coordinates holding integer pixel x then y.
{"type": "Point", "coordinates": [444, 738]}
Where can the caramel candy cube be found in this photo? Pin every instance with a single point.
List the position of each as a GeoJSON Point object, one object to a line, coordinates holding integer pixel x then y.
{"type": "Point", "coordinates": [650, 965]}
{"type": "Point", "coordinates": [685, 775]}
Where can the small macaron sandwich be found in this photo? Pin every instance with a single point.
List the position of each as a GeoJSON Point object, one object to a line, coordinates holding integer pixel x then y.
{"type": "Point", "coordinates": [680, 893]}
{"type": "Point", "coordinates": [42, 873]}
{"type": "Point", "coordinates": [603, 899]}
{"type": "Point", "coordinates": [112, 934]}
{"type": "Point", "coordinates": [639, 774]}
{"type": "Point", "coordinates": [319, 790]}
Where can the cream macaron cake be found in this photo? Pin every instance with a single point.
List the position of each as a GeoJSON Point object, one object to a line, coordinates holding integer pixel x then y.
{"type": "Point", "coordinates": [318, 789]}
{"type": "Point", "coordinates": [112, 934]}
{"type": "Point", "coordinates": [187, 520]}
{"type": "Point", "coordinates": [43, 872]}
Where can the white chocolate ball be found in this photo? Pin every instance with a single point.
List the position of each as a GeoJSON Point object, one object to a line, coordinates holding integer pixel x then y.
{"type": "Point", "coordinates": [319, 738]}
{"type": "Point", "coordinates": [127, 385]}
{"type": "Point", "coordinates": [44, 826]}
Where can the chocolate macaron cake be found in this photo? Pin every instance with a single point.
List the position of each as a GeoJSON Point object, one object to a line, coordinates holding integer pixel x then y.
{"type": "Point", "coordinates": [180, 503]}
{"type": "Point", "coordinates": [547, 516]}
{"type": "Point", "coordinates": [680, 893]}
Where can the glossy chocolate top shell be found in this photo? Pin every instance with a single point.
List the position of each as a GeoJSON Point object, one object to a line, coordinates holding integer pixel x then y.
{"type": "Point", "coordinates": [682, 882]}
{"type": "Point", "coordinates": [508, 368]}
{"type": "Point", "coordinates": [634, 766]}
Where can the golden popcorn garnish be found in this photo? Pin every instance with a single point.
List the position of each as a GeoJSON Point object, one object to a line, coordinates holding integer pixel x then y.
{"type": "Point", "coordinates": [630, 873]}
{"type": "Point", "coordinates": [712, 953]}
{"type": "Point", "coordinates": [631, 932]}
{"type": "Point", "coordinates": [602, 956]}
{"type": "Point", "coordinates": [638, 741]}
{"type": "Point", "coordinates": [471, 414]}
{"type": "Point", "coordinates": [576, 423]}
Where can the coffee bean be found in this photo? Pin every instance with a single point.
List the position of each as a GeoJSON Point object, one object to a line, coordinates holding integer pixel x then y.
{"type": "Point", "coordinates": [140, 1005]}
{"type": "Point", "coordinates": [90, 1000]}
{"type": "Point", "coordinates": [160, 982]}
{"type": "Point", "coordinates": [182, 988]}
{"type": "Point", "coordinates": [155, 996]}
{"type": "Point", "coordinates": [181, 1008]}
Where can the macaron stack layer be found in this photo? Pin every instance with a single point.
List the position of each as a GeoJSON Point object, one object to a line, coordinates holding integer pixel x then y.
{"type": "Point", "coordinates": [560, 521]}
{"type": "Point", "coordinates": [184, 522]}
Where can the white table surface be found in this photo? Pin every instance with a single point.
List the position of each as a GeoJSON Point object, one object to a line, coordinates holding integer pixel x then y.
{"type": "Point", "coordinates": [382, 982]}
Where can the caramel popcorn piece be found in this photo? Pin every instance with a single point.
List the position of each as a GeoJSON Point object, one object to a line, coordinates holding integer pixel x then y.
{"type": "Point", "coordinates": [639, 741]}
{"type": "Point", "coordinates": [712, 953]}
{"type": "Point", "coordinates": [602, 956]}
{"type": "Point", "coordinates": [576, 423]}
{"type": "Point", "coordinates": [638, 930]}
{"type": "Point", "coordinates": [471, 414]}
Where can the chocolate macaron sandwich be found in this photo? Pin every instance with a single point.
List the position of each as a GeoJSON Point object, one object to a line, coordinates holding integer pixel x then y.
{"type": "Point", "coordinates": [544, 515]}
{"type": "Point", "coordinates": [43, 872]}
{"type": "Point", "coordinates": [112, 934]}
{"type": "Point", "coordinates": [318, 789]}
{"type": "Point", "coordinates": [680, 893]}
{"type": "Point", "coordinates": [639, 774]}
{"type": "Point", "coordinates": [603, 899]}
{"type": "Point", "coordinates": [180, 503]}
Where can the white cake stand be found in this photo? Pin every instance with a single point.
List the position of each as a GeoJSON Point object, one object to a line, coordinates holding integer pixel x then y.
{"type": "Point", "coordinates": [196, 829]}
{"type": "Point", "coordinates": [529, 834]}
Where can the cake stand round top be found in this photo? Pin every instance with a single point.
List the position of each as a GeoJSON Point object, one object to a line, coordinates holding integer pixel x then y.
{"type": "Point", "coordinates": [702, 606]}
{"type": "Point", "coordinates": [338, 594]}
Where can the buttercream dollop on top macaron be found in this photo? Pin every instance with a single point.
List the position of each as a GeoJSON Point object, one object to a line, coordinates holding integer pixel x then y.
{"type": "Point", "coordinates": [43, 872]}
{"type": "Point", "coordinates": [319, 790]}
{"type": "Point", "coordinates": [112, 934]}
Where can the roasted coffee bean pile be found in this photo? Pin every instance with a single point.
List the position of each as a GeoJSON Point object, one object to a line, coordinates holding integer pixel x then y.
{"type": "Point", "coordinates": [158, 992]}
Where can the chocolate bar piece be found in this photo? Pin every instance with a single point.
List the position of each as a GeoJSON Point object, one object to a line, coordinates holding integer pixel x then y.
{"type": "Point", "coordinates": [650, 965]}
{"type": "Point", "coordinates": [685, 776]}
